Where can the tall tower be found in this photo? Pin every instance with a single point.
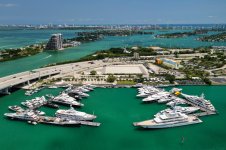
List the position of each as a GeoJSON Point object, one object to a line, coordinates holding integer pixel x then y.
{"type": "Point", "coordinates": [55, 42]}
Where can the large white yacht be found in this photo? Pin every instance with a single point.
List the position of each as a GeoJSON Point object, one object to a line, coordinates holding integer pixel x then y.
{"type": "Point", "coordinates": [72, 114]}
{"type": "Point", "coordinates": [147, 90]}
{"type": "Point", "coordinates": [200, 101]}
{"type": "Point", "coordinates": [179, 109]}
{"type": "Point", "coordinates": [176, 101]}
{"type": "Point", "coordinates": [143, 94]}
{"type": "Point", "coordinates": [167, 98]}
{"type": "Point", "coordinates": [82, 89]}
{"type": "Point", "coordinates": [20, 109]}
{"type": "Point", "coordinates": [26, 115]}
{"type": "Point", "coordinates": [66, 100]}
{"type": "Point", "coordinates": [35, 103]}
{"type": "Point", "coordinates": [77, 92]}
{"type": "Point", "coordinates": [167, 120]}
{"type": "Point", "coordinates": [156, 97]}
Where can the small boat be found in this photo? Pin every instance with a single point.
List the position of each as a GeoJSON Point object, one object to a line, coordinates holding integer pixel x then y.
{"type": "Point", "coordinates": [52, 87]}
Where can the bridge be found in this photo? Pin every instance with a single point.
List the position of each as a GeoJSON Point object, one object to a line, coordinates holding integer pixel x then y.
{"type": "Point", "coordinates": [25, 78]}
{"type": "Point", "coordinates": [58, 71]}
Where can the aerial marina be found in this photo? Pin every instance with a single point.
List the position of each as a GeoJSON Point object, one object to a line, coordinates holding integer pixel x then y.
{"type": "Point", "coordinates": [173, 116]}
{"type": "Point", "coordinates": [112, 75]}
{"type": "Point", "coordinates": [69, 117]}
{"type": "Point", "coordinates": [176, 115]}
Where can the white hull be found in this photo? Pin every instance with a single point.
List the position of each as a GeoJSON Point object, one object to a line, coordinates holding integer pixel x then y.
{"type": "Point", "coordinates": [167, 125]}
{"type": "Point", "coordinates": [76, 118]}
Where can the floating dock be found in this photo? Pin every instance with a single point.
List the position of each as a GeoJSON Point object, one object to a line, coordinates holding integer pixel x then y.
{"type": "Point", "coordinates": [88, 123]}
{"type": "Point", "coordinates": [204, 114]}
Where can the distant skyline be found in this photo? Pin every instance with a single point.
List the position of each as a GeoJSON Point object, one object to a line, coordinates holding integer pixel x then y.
{"type": "Point", "coordinates": [113, 12]}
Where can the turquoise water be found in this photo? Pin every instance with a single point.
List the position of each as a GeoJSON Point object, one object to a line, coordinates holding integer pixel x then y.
{"type": "Point", "coordinates": [116, 109]}
{"type": "Point", "coordinates": [19, 38]}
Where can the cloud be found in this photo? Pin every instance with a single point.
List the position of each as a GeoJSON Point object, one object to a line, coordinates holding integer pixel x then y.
{"type": "Point", "coordinates": [81, 20]}
{"type": "Point", "coordinates": [7, 5]}
{"type": "Point", "coordinates": [212, 16]}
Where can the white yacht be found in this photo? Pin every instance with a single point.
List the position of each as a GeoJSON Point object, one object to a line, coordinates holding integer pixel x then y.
{"type": "Point", "coordinates": [52, 87]}
{"type": "Point", "coordinates": [66, 99]}
{"type": "Point", "coordinates": [167, 120]}
{"type": "Point", "coordinates": [143, 94]}
{"type": "Point", "coordinates": [78, 92]}
{"type": "Point", "coordinates": [19, 109]}
{"type": "Point", "coordinates": [16, 108]}
{"type": "Point", "coordinates": [146, 91]}
{"type": "Point", "coordinates": [35, 103]}
{"type": "Point", "coordinates": [166, 99]}
{"type": "Point", "coordinates": [177, 101]}
{"type": "Point", "coordinates": [90, 85]}
{"type": "Point", "coordinates": [29, 93]}
{"type": "Point", "coordinates": [156, 97]}
{"type": "Point", "coordinates": [200, 101]}
{"type": "Point", "coordinates": [179, 109]}
{"type": "Point", "coordinates": [72, 114]}
{"type": "Point", "coordinates": [83, 89]}
{"type": "Point", "coordinates": [138, 85]}
{"type": "Point", "coordinates": [26, 115]}
{"type": "Point", "coordinates": [58, 121]}
{"type": "Point", "coordinates": [89, 88]}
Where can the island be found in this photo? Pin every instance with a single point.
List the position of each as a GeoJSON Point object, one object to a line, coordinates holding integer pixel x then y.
{"type": "Point", "coordinates": [181, 34]}
{"type": "Point", "coordinates": [221, 37]}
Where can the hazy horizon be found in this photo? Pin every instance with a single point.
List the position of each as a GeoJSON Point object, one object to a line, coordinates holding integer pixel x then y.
{"type": "Point", "coordinates": [90, 12]}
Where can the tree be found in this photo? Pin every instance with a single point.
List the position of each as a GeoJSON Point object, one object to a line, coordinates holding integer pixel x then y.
{"type": "Point", "coordinates": [176, 54]}
{"type": "Point", "coordinates": [171, 78]}
{"type": "Point", "coordinates": [93, 72]}
{"type": "Point", "coordinates": [111, 78]}
{"type": "Point", "coordinates": [207, 81]}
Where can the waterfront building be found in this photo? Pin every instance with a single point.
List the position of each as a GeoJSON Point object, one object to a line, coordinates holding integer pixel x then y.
{"type": "Point", "coordinates": [155, 48]}
{"type": "Point", "coordinates": [188, 50]}
{"type": "Point", "coordinates": [159, 50]}
{"type": "Point", "coordinates": [136, 55]}
{"type": "Point", "coordinates": [168, 62]}
{"type": "Point", "coordinates": [55, 42]}
{"type": "Point", "coordinates": [218, 49]}
{"type": "Point", "coordinates": [135, 48]}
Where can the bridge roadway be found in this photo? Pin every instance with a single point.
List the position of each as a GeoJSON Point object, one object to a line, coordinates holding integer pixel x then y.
{"type": "Point", "coordinates": [59, 70]}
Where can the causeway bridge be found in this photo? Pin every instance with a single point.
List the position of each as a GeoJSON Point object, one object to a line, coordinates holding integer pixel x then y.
{"type": "Point", "coordinates": [25, 78]}
{"type": "Point", "coordinates": [58, 71]}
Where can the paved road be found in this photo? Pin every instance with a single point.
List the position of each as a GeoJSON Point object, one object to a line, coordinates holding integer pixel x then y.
{"type": "Point", "coordinates": [61, 70]}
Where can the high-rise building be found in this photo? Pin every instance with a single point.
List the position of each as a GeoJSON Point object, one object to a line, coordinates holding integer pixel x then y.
{"type": "Point", "coordinates": [55, 42]}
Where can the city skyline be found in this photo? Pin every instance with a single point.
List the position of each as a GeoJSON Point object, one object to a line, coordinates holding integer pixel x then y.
{"type": "Point", "coordinates": [112, 12]}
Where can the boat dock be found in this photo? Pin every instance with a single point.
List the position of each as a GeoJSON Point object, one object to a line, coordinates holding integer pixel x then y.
{"type": "Point", "coordinates": [204, 114]}
{"type": "Point", "coordinates": [88, 123]}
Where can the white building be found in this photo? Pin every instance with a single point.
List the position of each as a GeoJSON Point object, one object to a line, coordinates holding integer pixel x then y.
{"type": "Point", "coordinates": [170, 63]}
{"type": "Point", "coordinates": [136, 55]}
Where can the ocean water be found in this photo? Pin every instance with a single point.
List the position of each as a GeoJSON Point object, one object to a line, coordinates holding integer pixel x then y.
{"type": "Point", "coordinates": [19, 38]}
{"type": "Point", "coordinates": [116, 109]}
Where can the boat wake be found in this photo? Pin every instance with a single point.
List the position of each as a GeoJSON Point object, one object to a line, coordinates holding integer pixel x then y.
{"type": "Point", "coordinates": [47, 57]}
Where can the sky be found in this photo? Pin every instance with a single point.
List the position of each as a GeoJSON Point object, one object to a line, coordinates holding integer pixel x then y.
{"type": "Point", "coordinates": [112, 11]}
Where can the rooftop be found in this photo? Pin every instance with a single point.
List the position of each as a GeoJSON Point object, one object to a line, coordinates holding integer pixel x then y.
{"type": "Point", "coordinates": [125, 69]}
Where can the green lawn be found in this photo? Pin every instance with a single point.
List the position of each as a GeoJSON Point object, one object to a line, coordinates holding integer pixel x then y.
{"type": "Point", "coordinates": [126, 82]}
